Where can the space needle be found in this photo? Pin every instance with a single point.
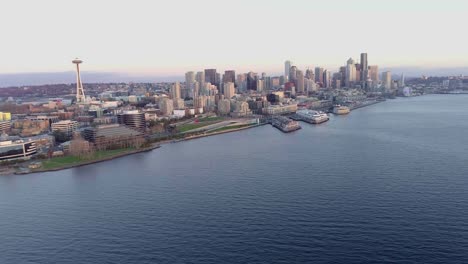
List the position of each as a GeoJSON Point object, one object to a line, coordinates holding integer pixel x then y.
{"type": "Point", "coordinates": [80, 96]}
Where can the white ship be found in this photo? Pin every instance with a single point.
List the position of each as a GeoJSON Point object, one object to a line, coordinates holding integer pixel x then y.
{"type": "Point", "coordinates": [311, 116]}
{"type": "Point", "coordinates": [341, 110]}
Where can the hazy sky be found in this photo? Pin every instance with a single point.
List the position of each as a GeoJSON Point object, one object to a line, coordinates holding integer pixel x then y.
{"type": "Point", "coordinates": [171, 37]}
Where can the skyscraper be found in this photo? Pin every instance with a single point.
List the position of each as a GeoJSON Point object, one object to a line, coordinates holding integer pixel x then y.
{"type": "Point", "coordinates": [364, 68]}
{"type": "Point", "coordinates": [299, 81]}
{"type": "Point", "coordinates": [175, 91]}
{"type": "Point", "coordinates": [387, 80]}
{"type": "Point", "coordinates": [210, 76]}
{"type": "Point", "coordinates": [287, 66]}
{"type": "Point", "coordinates": [326, 79]}
{"type": "Point", "coordinates": [229, 76]}
{"type": "Point", "coordinates": [350, 72]}
{"type": "Point", "coordinates": [374, 73]}
{"type": "Point", "coordinates": [292, 74]}
{"type": "Point", "coordinates": [229, 90]}
{"type": "Point", "coordinates": [190, 81]}
{"type": "Point", "coordinates": [310, 74]}
{"type": "Point", "coordinates": [251, 81]}
{"type": "Point", "coordinates": [319, 74]}
{"type": "Point", "coordinates": [402, 80]}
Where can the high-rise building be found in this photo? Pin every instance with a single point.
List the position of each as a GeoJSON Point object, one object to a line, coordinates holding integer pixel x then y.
{"type": "Point", "coordinates": [319, 74]}
{"type": "Point", "coordinates": [310, 74]}
{"type": "Point", "coordinates": [211, 76]}
{"type": "Point", "coordinates": [189, 81]}
{"type": "Point", "coordinates": [229, 90]}
{"type": "Point", "coordinates": [287, 66]}
{"type": "Point", "coordinates": [242, 82]}
{"type": "Point", "coordinates": [252, 81]}
{"type": "Point", "coordinates": [229, 76]}
{"type": "Point", "coordinates": [374, 73]}
{"type": "Point", "coordinates": [300, 81]}
{"type": "Point", "coordinates": [166, 106]}
{"type": "Point", "coordinates": [364, 69]}
{"type": "Point", "coordinates": [343, 75]}
{"type": "Point", "coordinates": [350, 73]}
{"type": "Point", "coordinates": [200, 77]}
{"type": "Point", "coordinates": [326, 79]}
{"type": "Point", "coordinates": [179, 104]}
{"type": "Point", "coordinates": [387, 80]}
{"type": "Point", "coordinates": [402, 80]}
{"type": "Point", "coordinates": [175, 91]}
{"type": "Point", "coordinates": [292, 74]}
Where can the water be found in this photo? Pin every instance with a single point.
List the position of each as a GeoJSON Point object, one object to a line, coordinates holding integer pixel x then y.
{"type": "Point", "coordinates": [387, 183]}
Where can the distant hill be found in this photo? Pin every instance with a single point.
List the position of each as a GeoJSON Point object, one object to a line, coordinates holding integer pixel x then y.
{"type": "Point", "coordinates": [21, 79]}
{"type": "Point", "coordinates": [41, 78]}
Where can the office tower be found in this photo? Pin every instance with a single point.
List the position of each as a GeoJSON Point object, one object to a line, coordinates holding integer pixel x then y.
{"type": "Point", "coordinates": [309, 85]}
{"type": "Point", "coordinates": [260, 86]}
{"type": "Point", "coordinates": [310, 74]}
{"type": "Point", "coordinates": [374, 73]}
{"type": "Point", "coordinates": [319, 74]}
{"type": "Point", "coordinates": [299, 81]}
{"type": "Point", "coordinates": [275, 82]}
{"type": "Point", "coordinates": [80, 95]}
{"type": "Point", "coordinates": [242, 82]}
{"type": "Point", "coordinates": [364, 69]}
{"type": "Point", "coordinates": [402, 80]}
{"type": "Point", "coordinates": [343, 75]}
{"type": "Point", "coordinates": [189, 80]}
{"type": "Point", "coordinates": [211, 76]}
{"type": "Point", "coordinates": [179, 103]}
{"type": "Point", "coordinates": [336, 80]}
{"type": "Point", "coordinates": [350, 72]}
{"type": "Point", "coordinates": [251, 81]}
{"type": "Point", "coordinates": [200, 77]}
{"type": "Point", "coordinates": [287, 66]}
{"type": "Point", "coordinates": [267, 83]}
{"type": "Point", "coordinates": [166, 106]}
{"type": "Point", "coordinates": [175, 91]}
{"type": "Point", "coordinates": [229, 90]}
{"type": "Point", "coordinates": [229, 76]}
{"type": "Point", "coordinates": [326, 79]}
{"type": "Point", "coordinates": [387, 80]}
{"type": "Point", "coordinates": [292, 74]}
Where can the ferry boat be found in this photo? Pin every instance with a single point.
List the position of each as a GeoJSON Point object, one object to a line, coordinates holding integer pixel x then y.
{"type": "Point", "coordinates": [311, 116]}
{"type": "Point", "coordinates": [341, 110]}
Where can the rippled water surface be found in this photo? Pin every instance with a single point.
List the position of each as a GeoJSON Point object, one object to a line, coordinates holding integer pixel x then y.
{"type": "Point", "coordinates": [387, 183]}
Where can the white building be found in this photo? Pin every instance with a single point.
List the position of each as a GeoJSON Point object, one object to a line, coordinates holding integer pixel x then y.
{"type": "Point", "coordinates": [66, 126]}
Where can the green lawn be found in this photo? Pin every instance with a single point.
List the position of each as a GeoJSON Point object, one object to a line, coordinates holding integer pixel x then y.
{"type": "Point", "coordinates": [58, 162]}
{"type": "Point", "coordinates": [228, 128]}
{"type": "Point", "coordinates": [206, 121]}
{"type": "Point", "coordinates": [187, 127]}
{"type": "Point", "coordinates": [211, 118]}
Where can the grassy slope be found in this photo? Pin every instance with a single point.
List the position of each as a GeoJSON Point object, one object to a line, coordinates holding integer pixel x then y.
{"type": "Point", "coordinates": [73, 160]}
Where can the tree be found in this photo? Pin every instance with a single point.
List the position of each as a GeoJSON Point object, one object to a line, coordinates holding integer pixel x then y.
{"type": "Point", "coordinates": [60, 136]}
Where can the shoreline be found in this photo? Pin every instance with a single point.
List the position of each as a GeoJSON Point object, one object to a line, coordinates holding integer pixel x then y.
{"type": "Point", "coordinates": [89, 162]}
{"type": "Point", "coordinates": [13, 171]}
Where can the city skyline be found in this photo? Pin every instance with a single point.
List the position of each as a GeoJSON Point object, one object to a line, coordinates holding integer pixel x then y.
{"type": "Point", "coordinates": [166, 40]}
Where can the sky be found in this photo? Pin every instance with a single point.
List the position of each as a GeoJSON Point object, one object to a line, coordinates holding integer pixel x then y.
{"type": "Point", "coordinates": [162, 37]}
